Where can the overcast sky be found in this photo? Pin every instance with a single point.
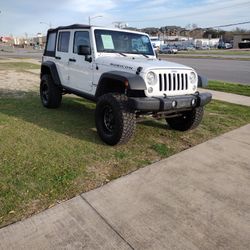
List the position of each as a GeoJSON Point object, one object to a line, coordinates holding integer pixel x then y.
{"type": "Point", "coordinates": [24, 16]}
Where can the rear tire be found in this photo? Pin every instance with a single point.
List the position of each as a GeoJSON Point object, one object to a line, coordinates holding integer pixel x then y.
{"type": "Point", "coordinates": [115, 122]}
{"type": "Point", "coordinates": [50, 94]}
{"type": "Point", "coordinates": [187, 121]}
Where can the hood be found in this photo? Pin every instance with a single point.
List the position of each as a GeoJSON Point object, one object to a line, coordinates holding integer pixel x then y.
{"type": "Point", "coordinates": [132, 63]}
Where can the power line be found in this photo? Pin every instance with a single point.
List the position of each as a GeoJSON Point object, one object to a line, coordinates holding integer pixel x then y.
{"type": "Point", "coordinates": [190, 14]}
{"type": "Point", "coordinates": [227, 25]}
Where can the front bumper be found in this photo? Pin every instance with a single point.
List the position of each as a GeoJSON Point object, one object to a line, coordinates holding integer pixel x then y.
{"type": "Point", "coordinates": [169, 103]}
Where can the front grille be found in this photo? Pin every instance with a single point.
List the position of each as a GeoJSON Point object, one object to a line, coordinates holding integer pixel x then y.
{"type": "Point", "coordinates": [173, 81]}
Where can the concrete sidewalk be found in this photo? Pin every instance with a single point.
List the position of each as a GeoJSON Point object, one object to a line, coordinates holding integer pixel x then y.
{"type": "Point", "coordinates": [197, 199]}
{"type": "Point", "coordinates": [228, 97]}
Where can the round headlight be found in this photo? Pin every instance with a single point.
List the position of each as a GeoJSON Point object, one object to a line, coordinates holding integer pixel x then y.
{"type": "Point", "coordinates": [192, 78]}
{"type": "Point", "coordinates": [151, 78]}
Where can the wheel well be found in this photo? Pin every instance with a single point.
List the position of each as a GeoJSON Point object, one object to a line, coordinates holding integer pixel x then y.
{"type": "Point", "coordinates": [109, 85]}
{"type": "Point", "coordinates": [45, 70]}
{"type": "Point", "coordinates": [50, 69]}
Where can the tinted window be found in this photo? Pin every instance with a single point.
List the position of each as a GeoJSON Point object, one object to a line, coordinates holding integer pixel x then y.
{"type": "Point", "coordinates": [63, 42]}
{"type": "Point", "coordinates": [51, 42]}
{"type": "Point", "coordinates": [81, 38]}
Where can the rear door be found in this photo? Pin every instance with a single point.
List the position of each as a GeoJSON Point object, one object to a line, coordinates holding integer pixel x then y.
{"type": "Point", "coordinates": [62, 55]}
{"type": "Point", "coordinates": [80, 70]}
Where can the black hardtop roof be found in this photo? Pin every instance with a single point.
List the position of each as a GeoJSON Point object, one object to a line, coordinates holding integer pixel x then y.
{"type": "Point", "coordinates": [72, 26]}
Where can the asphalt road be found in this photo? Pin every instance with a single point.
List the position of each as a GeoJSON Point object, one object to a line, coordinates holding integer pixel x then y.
{"type": "Point", "coordinates": [217, 69]}
{"type": "Point", "coordinates": [22, 53]}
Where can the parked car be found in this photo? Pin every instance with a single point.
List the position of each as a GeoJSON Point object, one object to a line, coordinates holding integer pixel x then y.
{"type": "Point", "coordinates": [205, 47]}
{"type": "Point", "coordinates": [181, 47]}
{"type": "Point", "coordinates": [168, 50]}
{"type": "Point", "coordinates": [225, 46]}
{"type": "Point", "coordinates": [191, 47]}
{"type": "Point", "coordinates": [118, 70]}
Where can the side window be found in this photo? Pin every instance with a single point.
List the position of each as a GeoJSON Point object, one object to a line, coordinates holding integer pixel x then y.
{"type": "Point", "coordinates": [63, 41]}
{"type": "Point", "coordinates": [80, 38]}
{"type": "Point", "coordinates": [51, 44]}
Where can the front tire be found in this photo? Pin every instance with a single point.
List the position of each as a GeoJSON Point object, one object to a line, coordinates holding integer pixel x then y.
{"type": "Point", "coordinates": [50, 94]}
{"type": "Point", "coordinates": [115, 122]}
{"type": "Point", "coordinates": [187, 121]}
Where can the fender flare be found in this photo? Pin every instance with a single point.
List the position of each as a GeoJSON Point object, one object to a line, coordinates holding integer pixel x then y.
{"type": "Point", "coordinates": [202, 81]}
{"type": "Point", "coordinates": [51, 67]}
{"type": "Point", "coordinates": [134, 81]}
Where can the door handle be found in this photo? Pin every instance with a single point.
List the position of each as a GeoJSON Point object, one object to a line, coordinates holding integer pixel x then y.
{"type": "Point", "coordinates": [58, 57]}
{"type": "Point", "coordinates": [72, 60]}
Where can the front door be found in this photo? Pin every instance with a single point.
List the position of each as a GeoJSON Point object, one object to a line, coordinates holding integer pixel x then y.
{"type": "Point", "coordinates": [80, 70]}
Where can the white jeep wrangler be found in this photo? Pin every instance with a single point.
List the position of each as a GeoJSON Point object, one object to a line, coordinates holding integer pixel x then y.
{"type": "Point", "coordinates": [118, 69]}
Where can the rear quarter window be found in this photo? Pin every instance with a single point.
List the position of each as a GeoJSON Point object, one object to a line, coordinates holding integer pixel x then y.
{"type": "Point", "coordinates": [51, 44]}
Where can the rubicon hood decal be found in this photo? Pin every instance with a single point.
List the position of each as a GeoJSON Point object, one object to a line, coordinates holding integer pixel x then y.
{"type": "Point", "coordinates": [121, 66]}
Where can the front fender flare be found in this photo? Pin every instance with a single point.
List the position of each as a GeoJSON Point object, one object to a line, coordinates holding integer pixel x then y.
{"type": "Point", "coordinates": [135, 82]}
{"type": "Point", "coordinates": [202, 81]}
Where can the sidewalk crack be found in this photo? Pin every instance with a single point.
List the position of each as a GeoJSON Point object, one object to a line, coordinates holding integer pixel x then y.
{"type": "Point", "coordinates": [113, 229]}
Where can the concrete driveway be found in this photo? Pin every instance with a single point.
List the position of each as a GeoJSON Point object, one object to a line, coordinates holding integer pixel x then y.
{"type": "Point", "coordinates": [197, 199]}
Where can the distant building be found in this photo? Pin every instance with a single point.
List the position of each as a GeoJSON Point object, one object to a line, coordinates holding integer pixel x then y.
{"type": "Point", "coordinates": [185, 32]}
{"type": "Point", "coordinates": [7, 39]}
{"type": "Point", "coordinates": [241, 41]}
{"type": "Point", "coordinates": [196, 33]}
{"type": "Point", "coordinates": [39, 40]}
{"type": "Point", "coordinates": [172, 30]}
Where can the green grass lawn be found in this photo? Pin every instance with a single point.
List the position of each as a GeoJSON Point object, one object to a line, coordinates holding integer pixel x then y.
{"type": "Point", "coordinates": [47, 156]}
{"type": "Point", "coordinates": [234, 88]}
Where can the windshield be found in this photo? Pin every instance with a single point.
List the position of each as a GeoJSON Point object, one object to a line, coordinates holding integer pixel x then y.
{"type": "Point", "coordinates": [122, 42]}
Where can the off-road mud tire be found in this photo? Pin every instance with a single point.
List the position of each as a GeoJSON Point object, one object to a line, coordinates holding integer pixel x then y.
{"type": "Point", "coordinates": [115, 121]}
{"type": "Point", "coordinates": [50, 94]}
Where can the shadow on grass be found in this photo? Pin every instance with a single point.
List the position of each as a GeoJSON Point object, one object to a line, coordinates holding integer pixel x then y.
{"type": "Point", "coordinates": [74, 118]}
{"type": "Point", "coordinates": [156, 124]}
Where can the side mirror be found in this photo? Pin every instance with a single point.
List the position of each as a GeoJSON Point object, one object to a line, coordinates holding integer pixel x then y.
{"type": "Point", "coordinates": [84, 50]}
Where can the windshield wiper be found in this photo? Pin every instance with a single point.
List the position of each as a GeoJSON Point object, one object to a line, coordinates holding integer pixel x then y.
{"type": "Point", "coordinates": [143, 55]}
{"type": "Point", "coordinates": [139, 53]}
{"type": "Point", "coordinates": [113, 51]}
{"type": "Point", "coordinates": [122, 54]}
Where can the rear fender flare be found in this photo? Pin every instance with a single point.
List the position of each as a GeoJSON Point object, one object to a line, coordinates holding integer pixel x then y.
{"type": "Point", "coordinates": [50, 67]}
